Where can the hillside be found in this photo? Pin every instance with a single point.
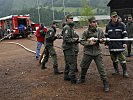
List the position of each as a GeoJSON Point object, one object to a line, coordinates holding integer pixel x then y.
{"type": "Point", "coordinates": [22, 4]}
{"type": "Point", "coordinates": [20, 7]}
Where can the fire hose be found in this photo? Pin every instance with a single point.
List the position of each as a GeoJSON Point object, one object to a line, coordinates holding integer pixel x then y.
{"type": "Point", "coordinates": [106, 39]}
{"type": "Point", "coordinates": [96, 39]}
{"type": "Point", "coordinates": [16, 43]}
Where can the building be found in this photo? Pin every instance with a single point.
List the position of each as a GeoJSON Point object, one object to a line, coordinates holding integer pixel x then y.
{"type": "Point", "coordinates": [83, 20]}
{"type": "Point", "coordinates": [122, 7]}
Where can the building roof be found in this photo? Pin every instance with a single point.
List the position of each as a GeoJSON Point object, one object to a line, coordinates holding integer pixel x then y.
{"type": "Point", "coordinates": [120, 4]}
{"type": "Point", "coordinates": [98, 17]}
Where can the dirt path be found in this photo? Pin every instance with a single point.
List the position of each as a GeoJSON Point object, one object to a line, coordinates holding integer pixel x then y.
{"type": "Point", "coordinates": [22, 79]}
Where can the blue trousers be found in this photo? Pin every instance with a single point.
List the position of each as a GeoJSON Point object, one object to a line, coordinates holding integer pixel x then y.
{"type": "Point", "coordinates": [38, 48]}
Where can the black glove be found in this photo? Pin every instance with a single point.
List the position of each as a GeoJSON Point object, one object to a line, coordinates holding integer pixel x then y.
{"type": "Point", "coordinates": [77, 40]}
{"type": "Point", "coordinates": [42, 33]}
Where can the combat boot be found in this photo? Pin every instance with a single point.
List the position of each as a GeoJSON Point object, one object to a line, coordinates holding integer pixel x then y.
{"type": "Point", "coordinates": [116, 71]}
{"type": "Point", "coordinates": [73, 79]}
{"type": "Point", "coordinates": [125, 74]}
{"type": "Point", "coordinates": [82, 76]}
{"type": "Point", "coordinates": [43, 66]}
{"type": "Point", "coordinates": [81, 80]}
{"type": "Point", "coordinates": [106, 85]}
{"type": "Point", "coordinates": [76, 70]}
{"type": "Point", "coordinates": [56, 71]}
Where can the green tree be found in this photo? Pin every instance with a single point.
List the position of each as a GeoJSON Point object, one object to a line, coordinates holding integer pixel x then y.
{"type": "Point", "coordinates": [85, 12]}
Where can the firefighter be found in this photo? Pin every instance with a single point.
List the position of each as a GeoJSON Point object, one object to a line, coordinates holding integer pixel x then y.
{"type": "Point", "coordinates": [22, 29]}
{"type": "Point", "coordinates": [117, 30]}
{"type": "Point", "coordinates": [40, 35]}
{"type": "Point", "coordinates": [29, 31]}
{"type": "Point", "coordinates": [130, 33]}
{"type": "Point", "coordinates": [49, 48]}
{"type": "Point", "coordinates": [92, 51]}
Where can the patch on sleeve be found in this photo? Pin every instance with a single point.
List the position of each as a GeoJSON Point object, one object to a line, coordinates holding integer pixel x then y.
{"type": "Point", "coordinates": [50, 33]}
{"type": "Point", "coordinates": [66, 31]}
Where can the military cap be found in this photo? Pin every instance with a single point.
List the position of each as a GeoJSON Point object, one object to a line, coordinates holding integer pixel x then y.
{"type": "Point", "coordinates": [69, 16]}
{"type": "Point", "coordinates": [54, 22]}
{"type": "Point", "coordinates": [91, 19]}
{"type": "Point", "coordinates": [129, 16]}
{"type": "Point", "coordinates": [114, 13]}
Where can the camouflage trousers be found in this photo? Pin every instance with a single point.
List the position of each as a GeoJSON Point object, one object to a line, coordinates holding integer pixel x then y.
{"type": "Point", "coordinates": [50, 51]}
{"type": "Point", "coordinates": [70, 62]}
{"type": "Point", "coordinates": [86, 61]}
{"type": "Point", "coordinates": [115, 56]}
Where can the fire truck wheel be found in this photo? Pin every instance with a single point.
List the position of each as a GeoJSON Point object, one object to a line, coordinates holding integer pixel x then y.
{"type": "Point", "coordinates": [24, 35]}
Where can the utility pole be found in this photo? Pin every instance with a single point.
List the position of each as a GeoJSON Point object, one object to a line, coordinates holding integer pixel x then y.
{"type": "Point", "coordinates": [64, 8]}
{"type": "Point", "coordinates": [38, 8]}
{"type": "Point", "coordinates": [53, 8]}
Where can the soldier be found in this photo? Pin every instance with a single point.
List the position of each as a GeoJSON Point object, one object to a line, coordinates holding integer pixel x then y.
{"type": "Point", "coordinates": [76, 49]}
{"type": "Point", "coordinates": [49, 49]}
{"type": "Point", "coordinates": [76, 46]}
{"type": "Point", "coordinates": [117, 30]}
{"type": "Point", "coordinates": [92, 51]}
{"type": "Point", "coordinates": [69, 51]}
{"type": "Point", "coordinates": [130, 33]}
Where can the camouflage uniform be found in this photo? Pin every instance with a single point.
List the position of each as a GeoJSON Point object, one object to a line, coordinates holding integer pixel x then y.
{"type": "Point", "coordinates": [92, 52]}
{"type": "Point", "coordinates": [76, 49]}
{"type": "Point", "coordinates": [69, 53]}
{"type": "Point", "coordinates": [130, 35]}
{"type": "Point", "coordinates": [49, 50]}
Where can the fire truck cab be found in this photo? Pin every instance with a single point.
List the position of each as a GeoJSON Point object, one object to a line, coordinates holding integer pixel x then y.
{"type": "Point", "coordinates": [15, 24]}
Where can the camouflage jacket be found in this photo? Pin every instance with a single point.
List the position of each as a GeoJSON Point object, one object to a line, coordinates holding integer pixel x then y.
{"type": "Point", "coordinates": [69, 40]}
{"type": "Point", "coordinates": [95, 49]}
{"type": "Point", "coordinates": [50, 37]}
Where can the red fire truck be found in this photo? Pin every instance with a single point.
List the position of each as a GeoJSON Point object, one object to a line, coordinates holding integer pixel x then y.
{"type": "Point", "coordinates": [15, 24]}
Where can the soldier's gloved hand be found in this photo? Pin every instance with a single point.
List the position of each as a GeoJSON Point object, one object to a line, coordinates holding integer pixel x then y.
{"type": "Point", "coordinates": [106, 47]}
{"type": "Point", "coordinates": [76, 40]}
{"type": "Point", "coordinates": [92, 41]}
{"type": "Point", "coordinates": [101, 40]}
{"type": "Point", "coordinates": [59, 36]}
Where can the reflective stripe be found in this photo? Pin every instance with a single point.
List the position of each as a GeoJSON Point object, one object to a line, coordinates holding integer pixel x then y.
{"type": "Point", "coordinates": [110, 31]}
{"type": "Point", "coordinates": [125, 38]}
{"type": "Point", "coordinates": [118, 30]}
{"type": "Point", "coordinates": [117, 49]}
{"type": "Point", "coordinates": [124, 32]}
{"type": "Point", "coordinates": [122, 62]}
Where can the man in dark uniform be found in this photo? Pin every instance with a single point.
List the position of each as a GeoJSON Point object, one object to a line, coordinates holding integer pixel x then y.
{"type": "Point", "coordinates": [69, 51]}
{"type": "Point", "coordinates": [92, 51]}
{"type": "Point", "coordinates": [117, 30]}
{"type": "Point", "coordinates": [49, 49]}
{"type": "Point", "coordinates": [76, 49]}
{"type": "Point", "coordinates": [130, 33]}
